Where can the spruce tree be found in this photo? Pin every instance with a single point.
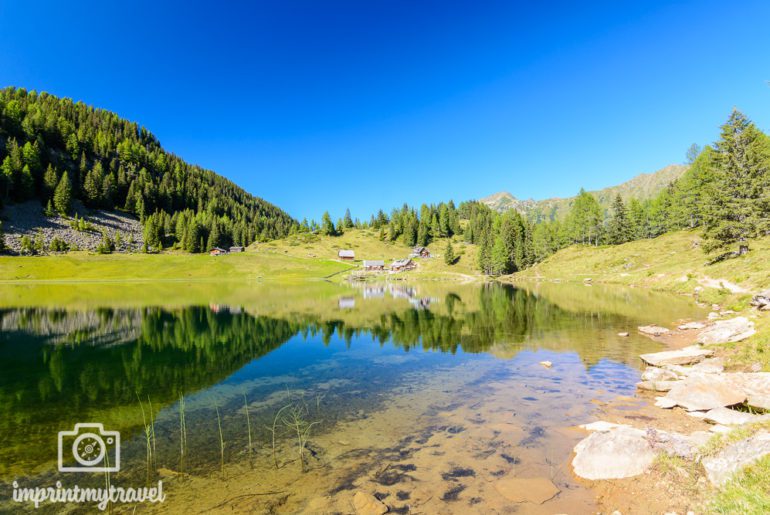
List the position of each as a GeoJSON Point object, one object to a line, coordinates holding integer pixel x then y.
{"type": "Point", "coordinates": [737, 208]}
{"type": "Point", "coordinates": [449, 253]}
{"type": "Point", "coordinates": [62, 197]}
{"type": "Point", "coordinates": [327, 226]}
{"type": "Point", "coordinates": [618, 231]}
{"type": "Point", "coordinates": [50, 180]}
{"type": "Point", "coordinates": [347, 221]}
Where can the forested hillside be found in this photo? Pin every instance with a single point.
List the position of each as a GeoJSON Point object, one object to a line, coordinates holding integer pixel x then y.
{"type": "Point", "coordinates": [57, 151]}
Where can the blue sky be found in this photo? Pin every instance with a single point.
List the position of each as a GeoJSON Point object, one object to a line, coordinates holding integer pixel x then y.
{"type": "Point", "coordinates": [368, 104]}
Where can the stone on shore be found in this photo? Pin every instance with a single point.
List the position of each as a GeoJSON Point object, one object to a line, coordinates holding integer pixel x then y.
{"type": "Point", "coordinates": [736, 456]}
{"type": "Point", "coordinates": [692, 325]}
{"type": "Point", "coordinates": [657, 386]}
{"type": "Point", "coordinates": [659, 374]}
{"type": "Point", "coordinates": [662, 402]}
{"type": "Point", "coordinates": [726, 331]}
{"type": "Point", "coordinates": [701, 393]}
{"type": "Point", "coordinates": [685, 356]}
{"type": "Point", "coordinates": [729, 417]}
{"type": "Point", "coordinates": [614, 454]}
{"type": "Point", "coordinates": [653, 330]}
{"type": "Point", "coordinates": [535, 490]}
{"type": "Point", "coordinates": [367, 504]}
{"type": "Point", "coordinates": [756, 385]}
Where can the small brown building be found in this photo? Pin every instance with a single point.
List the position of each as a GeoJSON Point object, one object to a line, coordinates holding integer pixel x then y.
{"type": "Point", "coordinates": [236, 249]}
{"type": "Point", "coordinates": [216, 251]}
{"type": "Point", "coordinates": [401, 265]}
{"type": "Point", "coordinates": [347, 255]}
{"type": "Point", "coordinates": [371, 265]}
{"type": "Point", "coordinates": [421, 252]}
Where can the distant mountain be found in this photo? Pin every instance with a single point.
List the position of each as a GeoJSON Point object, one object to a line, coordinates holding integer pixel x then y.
{"type": "Point", "coordinates": [643, 186]}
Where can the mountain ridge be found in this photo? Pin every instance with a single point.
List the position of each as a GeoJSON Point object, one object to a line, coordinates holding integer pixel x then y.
{"type": "Point", "coordinates": [641, 187]}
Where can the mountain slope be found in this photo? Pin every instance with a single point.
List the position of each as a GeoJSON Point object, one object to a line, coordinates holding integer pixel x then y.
{"type": "Point", "coordinates": [112, 163]}
{"type": "Point", "coordinates": [642, 187]}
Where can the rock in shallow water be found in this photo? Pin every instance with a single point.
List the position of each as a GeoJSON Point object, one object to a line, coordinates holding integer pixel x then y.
{"type": "Point", "coordinates": [367, 504]}
{"type": "Point", "coordinates": [736, 456]}
{"type": "Point", "coordinates": [652, 330]}
{"type": "Point", "coordinates": [524, 489]}
{"type": "Point", "coordinates": [725, 331]}
{"type": "Point", "coordinates": [614, 454]}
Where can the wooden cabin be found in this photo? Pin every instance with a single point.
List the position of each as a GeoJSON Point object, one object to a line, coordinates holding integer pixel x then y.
{"type": "Point", "coordinates": [371, 265]}
{"type": "Point", "coordinates": [401, 265]}
{"type": "Point", "coordinates": [216, 251]}
{"type": "Point", "coordinates": [421, 252]}
{"type": "Point", "coordinates": [347, 255]}
{"type": "Point", "coordinates": [236, 249]}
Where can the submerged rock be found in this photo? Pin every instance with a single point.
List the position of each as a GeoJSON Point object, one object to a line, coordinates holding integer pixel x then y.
{"type": "Point", "coordinates": [653, 330]}
{"type": "Point", "coordinates": [736, 456]}
{"type": "Point", "coordinates": [692, 354]}
{"type": "Point", "coordinates": [536, 490]}
{"type": "Point", "coordinates": [624, 334]}
{"type": "Point", "coordinates": [725, 331]}
{"type": "Point", "coordinates": [614, 454]}
{"type": "Point", "coordinates": [700, 393]}
{"type": "Point", "coordinates": [367, 504]}
{"type": "Point", "coordinates": [546, 364]}
{"type": "Point", "coordinates": [601, 425]}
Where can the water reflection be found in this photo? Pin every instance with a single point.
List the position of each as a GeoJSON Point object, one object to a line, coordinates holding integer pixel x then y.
{"type": "Point", "coordinates": [350, 353]}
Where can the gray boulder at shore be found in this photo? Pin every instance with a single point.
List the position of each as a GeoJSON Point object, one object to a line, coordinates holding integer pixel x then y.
{"type": "Point", "coordinates": [725, 331]}
{"type": "Point", "coordinates": [652, 330]}
{"type": "Point", "coordinates": [736, 456]}
{"type": "Point", "coordinates": [686, 356]}
{"type": "Point", "coordinates": [700, 393]}
{"type": "Point", "coordinates": [614, 454]}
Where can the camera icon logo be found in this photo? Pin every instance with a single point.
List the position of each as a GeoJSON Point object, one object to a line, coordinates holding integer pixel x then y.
{"type": "Point", "coordinates": [93, 449]}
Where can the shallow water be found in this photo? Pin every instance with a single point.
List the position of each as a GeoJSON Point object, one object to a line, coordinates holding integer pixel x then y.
{"type": "Point", "coordinates": [430, 397]}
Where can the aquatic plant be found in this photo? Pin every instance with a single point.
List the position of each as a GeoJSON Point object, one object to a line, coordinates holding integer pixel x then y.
{"type": "Point", "coordinates": [248, 428]}
{"type": "Point", "coordinates": [293, 419]}
{"type": "Point", "coordinates": [182, 435]}
{"type": "Point", "coordinates": [148, 437]}
{"type": "Point", "coordinates": [221, 443]}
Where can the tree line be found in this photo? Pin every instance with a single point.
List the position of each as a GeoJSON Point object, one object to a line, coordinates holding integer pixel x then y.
{"type": "Point", "coordinates": [58, 151]}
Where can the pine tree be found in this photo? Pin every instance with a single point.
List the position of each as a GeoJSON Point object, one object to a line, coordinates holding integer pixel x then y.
{"type": "Point", "coordinates": [449, 253]}
{"type": "Point", "coordinates": [214, 237]}
{"type": "Point", "coordinates": [50, 180]}
{"type": "Point", "coordinates": [618, 230]}
{"type": "Point", "coordinates": [347, 221]}
{"type": "Point", "coordinates": [62, 197]}
{"type": "Point", "coordinates": [737, 207]}
{"type": "Point", "coordinates": [327, 226]}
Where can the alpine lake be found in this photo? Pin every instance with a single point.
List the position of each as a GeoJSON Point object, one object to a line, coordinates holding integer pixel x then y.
{"type": "Point", "coordinates": [258, 398]}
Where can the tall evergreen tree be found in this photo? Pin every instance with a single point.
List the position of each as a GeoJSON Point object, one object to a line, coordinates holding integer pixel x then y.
{"type": "Point", "coordinates": [619, 230]}
{"type": "Point", "coordinates": [327, 226]}
{"type": "Point", "coordinates": [62, 197]}
{"type": "Point", "coordinates": [449, 253]}
{"type": "Point", "coordinates": [738, 205]}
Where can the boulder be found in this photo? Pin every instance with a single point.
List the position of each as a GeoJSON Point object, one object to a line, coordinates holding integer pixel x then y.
{"type": "Point", "coordinates": [676, 444]}
{"type": "Point", "coordinates": [686, 356]}
{"type": "Point", "coordinates": [700, 393]}
{"type": "Point", "coordinates": [729, 417]}
{"type": "Point", "coordinates": [663, 402]}
{"type": "Point", "coordinates": [725, 331]}
{"type": "Point", "coordinates": [535, 490]}
{"type": "Point", "coordinates": [614, 454]}
{"type": "Point", "coordinates": [707, 366]}
{"type": "Point", "coordinates": [692, 325]}
{"type": "Point", "coordinates": [367, 504]}
{"type": "Point", "coordinates": [756, 385]}
{"type": "Point", "coordinates": [736, 456]}
{"type": "Point", "coordinates": [761, 300]}
{"type": "Point", "coordinates": [652, 330]}
{"type": "Point", "coordinates": [656, 386]}
{"type": "Point", "coordinates": [659, 374]}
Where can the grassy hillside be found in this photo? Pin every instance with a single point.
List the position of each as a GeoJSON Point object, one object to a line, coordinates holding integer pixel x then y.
{"type": "Point", "coordinates": [643, 186]}
{"type": "Point", "coordinates": [673, 262]}
{"type": "Point", "coordinates": [367, 245]}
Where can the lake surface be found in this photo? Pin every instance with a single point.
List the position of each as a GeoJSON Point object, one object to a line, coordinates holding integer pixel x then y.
{"type": "Point", "coordinates": [429, 397]}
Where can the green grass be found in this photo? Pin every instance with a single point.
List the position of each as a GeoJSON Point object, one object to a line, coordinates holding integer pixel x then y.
{"type": "Point", "coordinates": [673, 262]}
{"type": "Point", "coordinates": [748, 492]}
{"type": "Point", "coordinates": [83, 267]}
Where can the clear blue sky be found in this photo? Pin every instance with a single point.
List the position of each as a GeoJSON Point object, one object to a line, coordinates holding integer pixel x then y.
{"type": "Point", "coordinates": [368, 104]}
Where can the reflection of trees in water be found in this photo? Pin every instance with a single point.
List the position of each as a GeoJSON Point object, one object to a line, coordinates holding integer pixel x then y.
{"type": "Point", "coordinates": [59, 367]}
